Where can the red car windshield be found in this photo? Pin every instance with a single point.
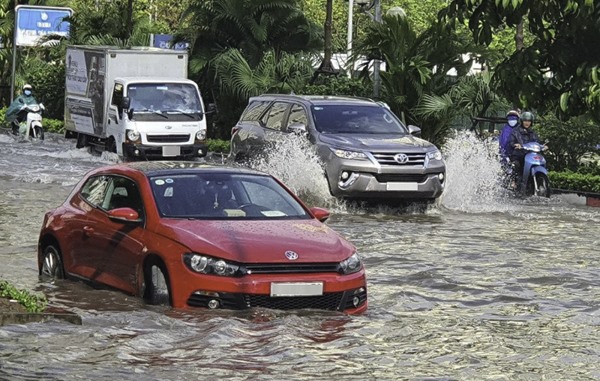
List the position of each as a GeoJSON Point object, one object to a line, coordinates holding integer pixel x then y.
{"type": "Point", "coordinates": [223, 196]}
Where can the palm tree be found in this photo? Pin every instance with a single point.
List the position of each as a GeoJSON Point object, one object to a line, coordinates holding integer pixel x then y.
{"type": "Point", "coordinates": [415, 65]}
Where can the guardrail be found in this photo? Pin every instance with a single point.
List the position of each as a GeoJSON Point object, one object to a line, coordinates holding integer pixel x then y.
{"type": "Point", "coordinates": [591, 198]}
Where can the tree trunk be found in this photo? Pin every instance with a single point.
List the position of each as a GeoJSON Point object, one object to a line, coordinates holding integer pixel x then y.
{"type": "Point", "coordinates": [326, 67]}
{"type": "Point", "coordinates": [129, 21]}
{"type": "Point", "coordinates": [519, 35]}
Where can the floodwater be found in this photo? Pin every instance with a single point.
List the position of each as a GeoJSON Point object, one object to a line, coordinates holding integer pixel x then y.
{"type": "Point", "coordinates": [478, 287]}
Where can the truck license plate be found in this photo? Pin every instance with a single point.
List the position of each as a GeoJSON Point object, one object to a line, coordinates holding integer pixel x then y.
{"type": "Point", "coordinates": [402, 186]}
{"type": "Point", "coordinates": [296, 289]}
{"type": "Point", "coordinates": [171, 151]}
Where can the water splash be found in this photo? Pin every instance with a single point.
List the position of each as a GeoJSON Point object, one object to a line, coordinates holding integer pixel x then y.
{"type": "Point", "coordinates": [298, 166]}
{"type": "Point", "coordinates": [474, 175]}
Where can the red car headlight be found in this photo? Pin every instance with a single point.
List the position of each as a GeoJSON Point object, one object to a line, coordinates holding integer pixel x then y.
{"type": "Point", "coordinates": [204, 264]}
{"type": "Point", "coordinates": [350, 265]}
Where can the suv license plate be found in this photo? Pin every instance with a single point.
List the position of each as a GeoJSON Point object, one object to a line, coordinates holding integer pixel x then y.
{"type": "Point", "coordinates": [296, 289]}
{"type": "Point", "coordinates": [402, 186]}
{"type": "Point", "coordinates": [171, 151]}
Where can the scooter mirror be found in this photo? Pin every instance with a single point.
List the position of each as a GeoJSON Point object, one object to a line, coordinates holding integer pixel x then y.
{"type": "Point", "coordinates": [42, 106]}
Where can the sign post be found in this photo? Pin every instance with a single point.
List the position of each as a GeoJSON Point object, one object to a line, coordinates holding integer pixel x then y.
{"type": "Point", "coordinates": [33, 22]}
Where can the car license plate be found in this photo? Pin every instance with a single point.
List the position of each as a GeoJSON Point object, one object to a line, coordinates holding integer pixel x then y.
{"type": "Point", "coordinates": [402, 186]}
{"type": "Point", "coordinates": [171, 151]}
{"type": "Point", "coordinates": [296, 289]}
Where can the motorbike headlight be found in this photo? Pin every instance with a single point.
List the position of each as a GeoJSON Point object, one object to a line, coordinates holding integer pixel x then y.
{"type": "Point", "coordinates": [434, 155]}
{"type": "Point", "coordinates": [349, 154]}
{"type": "Point", "coordinates": [350, 265]}
{"type": "Point", "coordinates": [204, 264]}
{"type": "Point", "coordinates": [201, 135]}
{"type": "Point", "coordinates": [133, 135]}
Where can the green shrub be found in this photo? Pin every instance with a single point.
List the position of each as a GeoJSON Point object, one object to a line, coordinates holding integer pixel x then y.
{"type": "Point", "coordinates": [2, 115]}
{"type": "Point", "coordinates": [218, 145]}
{"type": "Point", "coordinates": [575, 181]}
{"type": "Point", "coordinates": [31, 302]}
{"type": "Point", "coordinates": [54, 125]}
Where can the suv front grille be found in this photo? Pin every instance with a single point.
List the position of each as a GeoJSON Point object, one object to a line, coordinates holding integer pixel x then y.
{"type": "Point", "coordinates": [400, 178]}
{"type": "Point", "coordinates": [388, 159]}
{"type": "Point", "coordinates": [183, 138]}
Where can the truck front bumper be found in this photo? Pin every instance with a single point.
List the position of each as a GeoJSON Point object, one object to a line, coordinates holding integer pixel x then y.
{"type": "Point", "coordinates": [142, 151]}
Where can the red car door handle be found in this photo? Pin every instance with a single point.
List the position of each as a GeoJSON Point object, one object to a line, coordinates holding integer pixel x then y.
{"type": "Point", "coordinates": [88, 230]}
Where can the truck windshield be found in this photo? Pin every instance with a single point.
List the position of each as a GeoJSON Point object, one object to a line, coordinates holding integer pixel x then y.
{"type": "Point", "coordinates": [160, 101]}
{"type": "Point", "coordinates": [352, 119]}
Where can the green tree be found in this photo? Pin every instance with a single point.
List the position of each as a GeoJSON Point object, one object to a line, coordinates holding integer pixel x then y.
{"type": "Point", "coordinates": [560, 69]}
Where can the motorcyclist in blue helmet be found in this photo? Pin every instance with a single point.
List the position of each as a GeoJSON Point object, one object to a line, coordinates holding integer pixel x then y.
{"type": "Point", "coordinates": [521, 135]}
{"type": "Point", "coordinates": [512, 120]}
{"type": "Point", "coordinates": [14, 114]}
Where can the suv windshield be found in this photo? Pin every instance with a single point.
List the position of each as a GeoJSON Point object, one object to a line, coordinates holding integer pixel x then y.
{"type": "Point", "coordinates": [352, 119]}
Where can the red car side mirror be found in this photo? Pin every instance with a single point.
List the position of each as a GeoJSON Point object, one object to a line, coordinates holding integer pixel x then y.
{"type": "Point", "coordinates": [124, 215]}
{"type": "Point", "coordinates": [320, 213]}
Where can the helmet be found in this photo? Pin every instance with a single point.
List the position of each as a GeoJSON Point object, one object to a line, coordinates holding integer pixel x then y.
{"type": "Point", "coordinates": [527, 116]}
{"type": "Point", "coordinates": [27, 87]}
{"type": "Point", "coordinates": [512, 112]}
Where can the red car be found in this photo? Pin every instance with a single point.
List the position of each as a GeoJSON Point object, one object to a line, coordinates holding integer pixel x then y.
{"type": "Point", "coordinates": [192, 235]}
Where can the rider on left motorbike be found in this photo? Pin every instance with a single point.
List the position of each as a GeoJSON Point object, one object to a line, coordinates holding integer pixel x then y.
{"type": "Point", "coordinates": [14, 114]}
{"type": "Point", "coordinates": [521, 135]}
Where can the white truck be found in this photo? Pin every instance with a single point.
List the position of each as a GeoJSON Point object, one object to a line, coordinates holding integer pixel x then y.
{"type": "Point", "coordinates": [136, 102]}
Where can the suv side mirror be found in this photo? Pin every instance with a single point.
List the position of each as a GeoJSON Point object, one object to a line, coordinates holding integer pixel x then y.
{"type": "Point", "coordinates": [414, 130]}
{"type": "Point", "coordinates": [297, 128]}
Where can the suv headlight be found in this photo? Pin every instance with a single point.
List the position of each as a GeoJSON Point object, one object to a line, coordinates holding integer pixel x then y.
{"type": "Point", "coordinates": [133, 135]}
{"type": "Point", "coordinates": [350, 265]}
{"type": "Point", "coordinates": [349, 154]}
{"type": "Point", "coordinates": [204, 264]}
{"type": "Point", "coordinates": [434, 155]}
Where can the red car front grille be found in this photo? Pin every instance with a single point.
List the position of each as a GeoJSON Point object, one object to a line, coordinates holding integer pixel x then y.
{"type": "Point", "coordinates": [277, 268]}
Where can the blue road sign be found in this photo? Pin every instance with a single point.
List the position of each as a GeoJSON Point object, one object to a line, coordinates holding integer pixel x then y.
{"type": "Point", "coordinates": [34, 22]}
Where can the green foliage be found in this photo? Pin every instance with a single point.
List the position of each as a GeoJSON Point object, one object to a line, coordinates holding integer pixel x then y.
{"type": "Point", "coordinates": [575, 181]}
{"type": "Point", "coordinates": [54, 125]}
{"type": "Point", "coordinates": [31, 302]}
{"type": "Point", "coordinates": [568, 141]}
{"type": "Point", "coordinates": [218, 145]}
{"type": "Point", "coordinates": [558, 70]}
{"type": "Point", "coordinates": [339, 85]}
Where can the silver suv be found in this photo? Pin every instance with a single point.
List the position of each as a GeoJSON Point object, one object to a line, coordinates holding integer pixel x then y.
{"type": "Point", "coordinates": [367, 151]}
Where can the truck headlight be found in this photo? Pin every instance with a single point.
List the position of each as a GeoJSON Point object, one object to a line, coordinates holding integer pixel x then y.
{"type": "Point", "coordinates": [201, 135]}
{"type": "Point", "coordinates": [204, 264]}
{"type": "Point", "coordinates": [350, 265]}
{"type": "Point", "coordinates": [349, 154]}
{"type": "Point", "coordinates": [133, 135]}
{"type": "Point", "coordinates": [434, 155]}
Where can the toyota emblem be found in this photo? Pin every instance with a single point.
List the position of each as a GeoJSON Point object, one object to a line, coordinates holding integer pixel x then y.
{"type": "Point", "coordinates": [291, 255]}
{"type": "Point", "coordinates": [168, 127]}
{"type": "Point", "coordinates": [401, 158]}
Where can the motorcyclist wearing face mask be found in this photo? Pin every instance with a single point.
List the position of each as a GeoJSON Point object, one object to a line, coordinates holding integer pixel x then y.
{"type": "Point", "coordinates": [512, 121]}
{"type": "Point", "coordinates": [14, 114]}
{"type": "Point", "coordinates": [521, 135]}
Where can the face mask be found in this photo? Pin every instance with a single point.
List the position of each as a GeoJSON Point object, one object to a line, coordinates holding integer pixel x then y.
{"type": "Point", "coordinates": [27, 92]}
{"type": "Point", "coordinates": [512, 122]}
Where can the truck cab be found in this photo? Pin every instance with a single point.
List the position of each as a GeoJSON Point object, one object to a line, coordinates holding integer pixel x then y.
{"type": "Point", "coordinates": [156, 118]}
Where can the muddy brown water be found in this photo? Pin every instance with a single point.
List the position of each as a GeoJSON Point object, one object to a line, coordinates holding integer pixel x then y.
{"type": "Point", "coordinates": [471, 289]}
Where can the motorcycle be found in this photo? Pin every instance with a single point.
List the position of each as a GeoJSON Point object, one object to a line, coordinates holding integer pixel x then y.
{"type": "Point", "coordinates": [534, 179]}
{"type": "Point", "coordinates": [31, 127]}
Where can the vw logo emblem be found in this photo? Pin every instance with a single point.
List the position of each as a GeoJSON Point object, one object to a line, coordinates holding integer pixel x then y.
{"type": "Point", "coordinates": [168, 127]}
{"type": "Point", "coordinates": [291, 255]}
{"type": "Point", "coordinates": [401, 158]}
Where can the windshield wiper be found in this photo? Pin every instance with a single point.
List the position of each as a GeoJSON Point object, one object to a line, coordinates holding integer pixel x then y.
{"type": "Point", "coordinates": [193, 116]}
{"type": "Point", "coordinates": [151, 111]}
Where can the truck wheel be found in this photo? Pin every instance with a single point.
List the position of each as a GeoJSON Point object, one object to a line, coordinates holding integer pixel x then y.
{"type": "Point", "coordinates": [82, 140]}
{"type": "Point", "coordinates": [111, 145]}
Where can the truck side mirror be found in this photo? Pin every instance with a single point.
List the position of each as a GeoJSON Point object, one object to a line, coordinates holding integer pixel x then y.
{"type": "Point", "coordinates": [125, 103]}
{"type": "Point", "coordinates": [414, 130]}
